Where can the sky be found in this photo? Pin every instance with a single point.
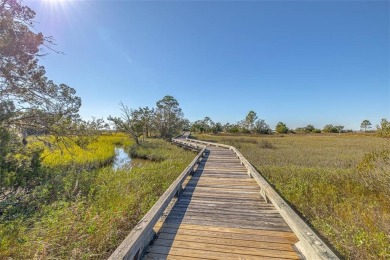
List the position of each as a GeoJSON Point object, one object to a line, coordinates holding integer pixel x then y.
{"type": "Point", "coordinates": [298, 62]}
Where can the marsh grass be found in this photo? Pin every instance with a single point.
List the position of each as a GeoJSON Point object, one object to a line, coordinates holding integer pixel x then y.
{"type": "Point", "coordinates": [332, 182]}
{"type": "Point", "coordinates": [98, 153]}
{"type": "Point", "coordinates": [91, 224]}
{"type": "Point", "coordinates": [152, 149]}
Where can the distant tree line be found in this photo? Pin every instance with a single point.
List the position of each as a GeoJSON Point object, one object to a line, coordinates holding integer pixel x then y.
{"type": "Point", "coordinates": [167, 120]}
{"type": "Point", "coordinates": [251, 124]}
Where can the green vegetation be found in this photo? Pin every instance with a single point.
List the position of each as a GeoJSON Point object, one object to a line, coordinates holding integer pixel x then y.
{"type": "Point", "coordinates": [366, 124]}
{"type": "Point", "coordinates": [82, 214]}
{"type": "Point", "coordinates": [251, 124]}
{"type": "Point", "coordinates": [97, 153]}
{"type": "Point", "coordinates": [31, 104]}
{"type": "Point", "coordinates": [59, 198]}
{"type": "Point", "coordinates": [332, 180]}
{"type": "Point", "coordinates": [281, 128]}
{"type": "Point", "coordinates": [384, 128]}
{"type": "Point", "coordinates": [332, 129]}
{"type": "Point", "coordinates": [165, 121]}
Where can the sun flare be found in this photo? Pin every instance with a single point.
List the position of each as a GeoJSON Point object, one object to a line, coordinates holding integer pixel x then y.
{"type": "Point", "coordinates": [56, 2]}
{"type": "Point", "coordinates": [57, 6]}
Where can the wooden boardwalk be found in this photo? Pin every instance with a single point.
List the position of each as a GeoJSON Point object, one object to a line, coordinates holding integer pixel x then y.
{"type": "Point", "coordinates": [220, 214]}
{"type": "Point", "coordinates": [220, 207]}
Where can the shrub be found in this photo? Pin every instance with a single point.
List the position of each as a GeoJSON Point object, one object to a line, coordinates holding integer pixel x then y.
{"type": "Point", "coordinates": [281, 128]}
{"type": "Point", "coordinates": [374, 171]}
{"type": "Point", "coordinates": [329, 129]}
{"type": "Point", "coordinates": [384, 128]}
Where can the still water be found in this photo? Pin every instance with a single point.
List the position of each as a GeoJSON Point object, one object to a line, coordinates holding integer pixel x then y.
{"type": "Point", "coordinates": [122, 159]}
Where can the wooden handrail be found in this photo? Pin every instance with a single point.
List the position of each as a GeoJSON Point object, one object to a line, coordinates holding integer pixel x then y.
{"type": "Point", "coordinates": [140, 237]}
{"type": "Point", "coordinates": [310, 244]}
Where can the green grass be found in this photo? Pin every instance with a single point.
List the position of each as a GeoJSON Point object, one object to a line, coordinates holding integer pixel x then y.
{"type": "Point", "coordinates": [93, 222]}
{"type": "Point", "coordinates": [320, 177]}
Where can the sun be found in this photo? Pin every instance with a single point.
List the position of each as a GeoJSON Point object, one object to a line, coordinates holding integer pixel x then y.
{"type": "Point", "coordinates": [57, 5]}
{"type": "Point", "coordinates": [56, 2]}
{"type": "Point", "coordinates": [59, 11]}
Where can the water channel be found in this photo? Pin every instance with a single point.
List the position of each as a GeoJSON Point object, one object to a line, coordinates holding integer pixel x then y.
{"type": "Point", "coordinates": [122, 159]}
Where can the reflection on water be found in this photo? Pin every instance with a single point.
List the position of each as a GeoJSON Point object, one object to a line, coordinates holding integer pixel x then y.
{"type": "Point", "coordinates": [122, 160]}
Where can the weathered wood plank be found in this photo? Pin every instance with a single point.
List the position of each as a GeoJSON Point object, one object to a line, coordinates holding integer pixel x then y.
{"type": "Point", "coordinates": [252, 220]}
{"type": "Point", "coordinates": [166, 239]}
{"type": "Point", "coordinates": [205, 253]}
{"type": "Point", "coordinates": [228, 208]}
{"type": "Point", "coordinates": [252, 214]}
{"type": "Point", "coordinates": [155, 256]}
{"type": "Point", "coordinates": [221, 200]}
{"type": "Point", "coordinates": [227, 230]}
{"type": "Point", "coordinates": [169, 238]}
{"type": "Point", "coordinates": [223, 190]}
{"type": "Point", "coordinates": [228, 219]}
{"type": "Point", "coordinates": [233, 224]}
{"type": "Point", "coordinates": [278, 238]}
{"type": "Point", "coordinates": [220, 179]}
{"type": "Point", "coordinates": [225, 248]}
{"type": "Point", "coordinates": [222, 195]}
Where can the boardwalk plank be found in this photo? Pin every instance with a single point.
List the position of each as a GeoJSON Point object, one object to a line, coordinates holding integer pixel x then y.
{"type": "Point", "coordinates": [206, 253]}
{"type": "Point", "coordinates": [225, 248]}
{"type": "Point", "coordinates": [168, 238]}
{"type": "Point", "coordinates": [289, 234]}
{"type": "Point", "coordinates": [280, 237]}
{"type": "Point", "coordinates": [235, 224]}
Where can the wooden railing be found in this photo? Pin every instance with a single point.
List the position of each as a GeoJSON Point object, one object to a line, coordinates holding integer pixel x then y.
{"type": "Point", "coordinates": [140, 237]}
{"type": "Point", "coordinates": [310, 244]}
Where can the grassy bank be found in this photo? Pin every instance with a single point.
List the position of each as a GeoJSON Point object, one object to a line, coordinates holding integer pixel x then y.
{"type": "Point", "coordinates": [85, 214]}
{"type": "Point", "coordinates": [319, 175]}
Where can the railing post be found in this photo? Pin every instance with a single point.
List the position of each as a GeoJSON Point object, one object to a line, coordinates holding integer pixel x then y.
{"type": "Point", "coordinates": [179, 190]}
{"type": "Point", "coordinates": [262, 193]}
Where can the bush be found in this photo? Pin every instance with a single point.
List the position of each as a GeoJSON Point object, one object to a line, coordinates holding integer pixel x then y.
{"type": "Point", "coordinates": [384, 128]}
{"type": "Point", "coordinates": [329, 129]}
{"type": "Point", "coordinates": [281, 128]}
{"type": "Point", "coordinates": [20, 166]}
{"type": "Point", "coordinates": [374, 171]}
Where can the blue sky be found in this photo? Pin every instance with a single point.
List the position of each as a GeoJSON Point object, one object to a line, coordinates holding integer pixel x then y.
{"type": "Point", "coordinates": [299, 62]}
